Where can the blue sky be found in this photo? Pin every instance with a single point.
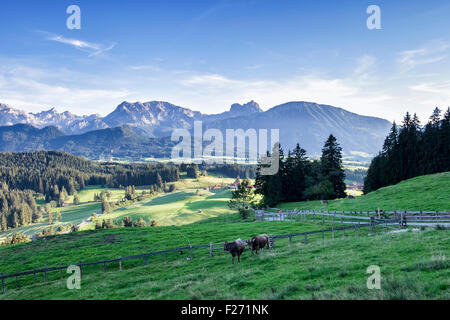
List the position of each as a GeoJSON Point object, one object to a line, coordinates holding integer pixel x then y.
{"type": "Point", "coordinates": [206, 55]}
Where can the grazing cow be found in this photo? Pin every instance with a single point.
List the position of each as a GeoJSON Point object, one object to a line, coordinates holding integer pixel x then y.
{"type": "Point", "coordinates": [235, 248]}
{"type": "Point", "coordinates": [258, 242]}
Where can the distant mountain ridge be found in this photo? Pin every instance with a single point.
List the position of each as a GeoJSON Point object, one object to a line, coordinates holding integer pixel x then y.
{"type": "Point", "coordinates": [304, 122]}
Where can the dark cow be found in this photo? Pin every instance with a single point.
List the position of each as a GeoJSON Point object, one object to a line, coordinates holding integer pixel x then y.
{"type": "Point", "coordinates": [258, 242]}
{"type": "Point", "coordinates": [235, 248]}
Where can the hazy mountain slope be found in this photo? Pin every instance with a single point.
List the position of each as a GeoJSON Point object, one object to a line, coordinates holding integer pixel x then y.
{"type": "Point", "coordinates": [310, 124]}
{"type": "Point", "coordinates": [304, 122]}
{"type": "Point", "coordinates": [24, 137]}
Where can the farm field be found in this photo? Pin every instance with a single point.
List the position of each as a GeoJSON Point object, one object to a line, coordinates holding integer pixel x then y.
{"type": "Point", "coordinates": [413, 264]}
{"type": "Point", "coordinates": [176, 208]}
{"type": "Point", "coordinates": [69, 215]}
{"type": "Point", "coordinates": [428, 192]}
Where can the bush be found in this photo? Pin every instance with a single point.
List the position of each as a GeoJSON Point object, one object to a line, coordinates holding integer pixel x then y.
{"type": "Point", "coordinates": [244, 213]}
{"type": "Point", "coordinates": [16, 238]}
{"type": "Point", "coordinates": [140, 223]}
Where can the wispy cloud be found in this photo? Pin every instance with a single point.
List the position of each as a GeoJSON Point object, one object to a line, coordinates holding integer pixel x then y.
{"type": "Point", "coordinates": [145, 67]}
{"type": "Point", "coordinates": [94, 49]}
{"type": "Point", "coordinates": [365, 63]}
{"type": "Point", "coordinates": [433, 52]}
{"type": "Point", "coordinates": [33, 88]}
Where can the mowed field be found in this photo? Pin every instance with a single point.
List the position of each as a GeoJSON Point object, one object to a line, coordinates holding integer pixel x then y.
{"type": "Point", "coordinates": [414, 264]}
{"type": "Point", "coordinates": [179, 207]}
{"type": "Point", "coordinates": [427, 193]}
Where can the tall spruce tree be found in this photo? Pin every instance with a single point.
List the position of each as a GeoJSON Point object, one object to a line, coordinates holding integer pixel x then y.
{"type": "Point", "coordinates": [331, 166]}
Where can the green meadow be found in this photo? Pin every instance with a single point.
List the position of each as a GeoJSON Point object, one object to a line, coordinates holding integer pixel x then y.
{"type": "Point", "coordinates": [427, 193]}
{"type": "Point", "coordinates": [414, 264]}
{"type": "Point", "coordinates": [182, 207]}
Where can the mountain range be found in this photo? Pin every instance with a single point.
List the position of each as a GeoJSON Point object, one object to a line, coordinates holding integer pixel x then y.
{"type": "Point", "coordinates": [144, 129]}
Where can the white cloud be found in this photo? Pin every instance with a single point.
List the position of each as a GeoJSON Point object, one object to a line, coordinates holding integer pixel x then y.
{"type": "Point", "coordinates": [34, 89]}
{"type": "Point", "coordinates": [94, 49]}
{"type": "Point", "coordinates": [365, 63]}
{"type": "Point", "coordinates": [433, 52]}
{"type": "Point", "coordinates": [145, 68]}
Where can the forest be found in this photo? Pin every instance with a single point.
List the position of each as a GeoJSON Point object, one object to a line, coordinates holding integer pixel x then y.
{"type": "Point", "coordinates": [300, 179]}
{"type": "Point", "coordinates": [411, 150]}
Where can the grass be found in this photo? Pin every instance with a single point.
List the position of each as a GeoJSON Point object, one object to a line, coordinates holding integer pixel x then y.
{"type": "Point", "coordinates": [427, 193]}
{"type": "Point", "coordinates": [69, 215]}
{"type": "Point", "coordinates": [182, 207]}
{"type": "Point", "coordinates": [335, 269]}
{"type": "Point", "coordinates": [177, 208]}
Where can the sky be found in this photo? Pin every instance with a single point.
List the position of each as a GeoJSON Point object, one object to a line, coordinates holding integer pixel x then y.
{"type": "Point", "coordinates": [208, 54]}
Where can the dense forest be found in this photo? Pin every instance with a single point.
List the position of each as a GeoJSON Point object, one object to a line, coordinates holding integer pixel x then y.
{"type": "Point", "coordinates": [57, 174]}
{"type": "Point", "coordinates": [411, 150]}
{"type": "Point", "coordinates": [17, 208]}
{"type": "Point", "coordinates": [232, 170]}
{"type": "Point", "coordinates": [49, 172]}
{"type": "Point", "coordinates": [300, 179]}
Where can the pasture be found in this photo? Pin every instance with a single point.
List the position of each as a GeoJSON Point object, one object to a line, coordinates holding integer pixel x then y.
{"type": "Point", "coordinates": [176, 208]}
{"type": "Point", "coordinates": [69, 215]}
{"type": "Point", "coordinates": [428, 192]}
{"type": "Point", "coordinates": [413, 264]}
{"type": "Point", "coordinates": [182, 207]}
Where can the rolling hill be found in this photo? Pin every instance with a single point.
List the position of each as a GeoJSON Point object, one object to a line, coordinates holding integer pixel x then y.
{"type": "Point", "coordinates": [427, 193]}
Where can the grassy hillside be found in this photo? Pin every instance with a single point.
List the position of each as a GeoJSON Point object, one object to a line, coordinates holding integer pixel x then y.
{"type": "Point", "coordinates": [176, 208]}
{"type": "Point", "coordinates": [414, 265]}
{"type": "Point", "coordinates": [430, 192]}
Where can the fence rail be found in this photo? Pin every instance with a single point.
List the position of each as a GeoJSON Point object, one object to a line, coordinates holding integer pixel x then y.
{"type": "Point", "coordinates": [413, 216]}
{"type": "Point", "coordinates": [212, 247]}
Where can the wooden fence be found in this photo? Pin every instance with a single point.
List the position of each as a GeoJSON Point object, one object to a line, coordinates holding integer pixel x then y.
{"type": "Point", "coordinates": [213, 247]}
{"type": "Point", "coordinates": [395, 216]}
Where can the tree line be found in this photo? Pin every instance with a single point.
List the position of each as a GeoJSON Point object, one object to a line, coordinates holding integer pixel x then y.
{"type": "Point", "coordinates": [411, 150]}
{"type": "Point", "coordinates": [299, 179]}
{"type": "Point", "coordinates": [17, 208]}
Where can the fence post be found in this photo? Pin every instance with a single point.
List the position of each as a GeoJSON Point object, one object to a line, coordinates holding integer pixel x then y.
{"type": "Point", "coordinates": [120, 264]}
{"type": "Point", "coordinates": [290, 239]}
{"type": "Point", "coordinates": [190, 249]}
{"type": "Point", "coordinates": [211, 253]}
{"type": "Point", "coordinates": [81, 270]}
{"type": "Point", "coordinates": [332, 228]}
{"type": "Point", "coordinates": [3, 283]}
{"type": "Point", "coordinates": [45, 273]}
{"type": "Point", "coordinates": [371, 224]}
{"type": "Point", "coordinates": [271, 241]}
{"type": "Point", "coordinates": [145, 260]}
